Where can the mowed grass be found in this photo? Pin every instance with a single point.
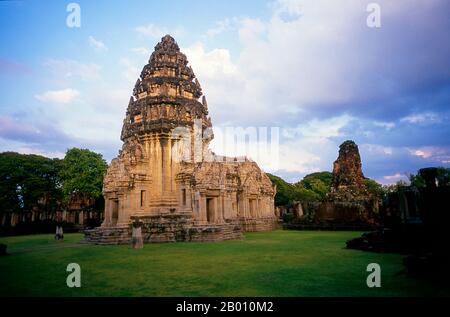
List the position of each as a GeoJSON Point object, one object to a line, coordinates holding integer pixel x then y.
{"type": "Point", "coordinates": [277, 263]}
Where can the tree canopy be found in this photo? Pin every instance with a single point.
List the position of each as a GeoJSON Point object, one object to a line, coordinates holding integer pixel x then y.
{"type": "Point", "coordinates": [443, 178]}
{"type": "Point", "coordinates": [82, 172]}
{"type": "Point", "coordinates": [288, 193]}
{"type": "Point", "coordinates": [313, 187]}
{"type": "Point", "coordinates": [374, 189]}
{"type": "Point", "coordinates": [319, 183]}
{"type": "Point", "coordinates": [25, 179]}
{"type": "Point", "coordinates": [28, 180]}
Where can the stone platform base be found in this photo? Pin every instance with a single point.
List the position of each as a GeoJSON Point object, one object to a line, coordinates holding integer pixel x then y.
{"type": "Point", "coordinates": [206, 233]}
{"type": "Point", "coordinates": [264, 224]}
{"type": "Point", "coordinates": [166, 228]}
{"type": "Point", "coordinates": [108, 236]}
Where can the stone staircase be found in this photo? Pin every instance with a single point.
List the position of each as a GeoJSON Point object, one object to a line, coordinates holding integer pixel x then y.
{"type": "Point", "coordinates": [216, 232]}
{"type": "Point", "coordinates": [152, 233]}
{"type": "Point", "coordinates": [108, 236]}
{"type": "Point", "coordinates": [179, 227]}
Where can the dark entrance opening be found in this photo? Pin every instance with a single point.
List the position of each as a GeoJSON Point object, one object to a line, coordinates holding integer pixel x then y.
{"type": "Point", "coordinates": [115, 211]}
{"type": "Point", "coordinates": [210, 209]}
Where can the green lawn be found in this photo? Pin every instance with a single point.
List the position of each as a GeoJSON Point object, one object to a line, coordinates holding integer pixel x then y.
{"type": "Point", "coordinates": [277, 263]}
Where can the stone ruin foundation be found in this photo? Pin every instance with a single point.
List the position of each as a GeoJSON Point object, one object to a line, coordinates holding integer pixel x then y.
{"type": "Point", "coordinates": [348, 205]}
{"type": "Point", "coordinates": [166, 176]}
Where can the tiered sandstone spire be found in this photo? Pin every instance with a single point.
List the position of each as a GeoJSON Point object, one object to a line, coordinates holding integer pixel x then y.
{"type": "Point", "coordinates": [165, 174]}
{"type": "Point", "coordinates": [166, 94]}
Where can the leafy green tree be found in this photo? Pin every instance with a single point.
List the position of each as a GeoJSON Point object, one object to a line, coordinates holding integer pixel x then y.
{"type": "Point", "coordinates": [374, 189]}
{"type": "Point", "coordinates": [282, 196]}
{"type": "Point", "coordinates": [10, 182]}
{"type": "Point", "coordinates": [319, 183]}
{"type": "Point", "coordinates": [416, 180]}
{"type": "Point", "coordinates": [288, 193]}
{"type": "Point", "coordinates": [303, 194]}
{"type": "Point", "coordinates": [324, 177]}
{"type": "Point", "coordinates": [82, 172]}
{"type": "Point", "coordinates": [443, 176]}
{"type": "Point", "coordinates": [27, 179]}
{"type": "Point", "coordinates": [401, 183]}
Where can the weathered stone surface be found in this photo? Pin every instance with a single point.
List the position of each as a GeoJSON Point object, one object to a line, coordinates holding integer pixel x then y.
{"type": "Point", "coordinates": [165, 173]}
{"type": "Point", "coordinates": [348, 205]}
{"type": "Point", "coordinates": [348, 179]}
{"type": "Point", "coordinates": [136, 234]}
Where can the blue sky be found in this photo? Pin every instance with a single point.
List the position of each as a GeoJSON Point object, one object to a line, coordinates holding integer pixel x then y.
{"type": "Point", "coordinates": [312, 68]}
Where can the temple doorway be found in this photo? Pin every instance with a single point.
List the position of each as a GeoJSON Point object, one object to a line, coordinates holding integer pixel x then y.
{"type": "Point", "coordinates": [210, 209]}
{"type": "Point", "coordinates": [252, 205]}
{"type": "Point", "coordinates": [114, 211]}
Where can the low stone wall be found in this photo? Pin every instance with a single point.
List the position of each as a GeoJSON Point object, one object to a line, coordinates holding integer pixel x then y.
{"type": "Point", "coordinates": [264, 224]}
{"type": "Point", "coordinates": [343, 211]}
{"type": "Point", "coordinates": [172, 228]}
{"type": "Point", "coordinates": [210, 233]}
{"type": "Point", "coordinates": [328, 215]}
{"type": "Point", "coordinates": [329, 226]}
{"type": "Point", "coordinates": [108, 236]}
{"type": "Point", "coordinates": [166, 228]}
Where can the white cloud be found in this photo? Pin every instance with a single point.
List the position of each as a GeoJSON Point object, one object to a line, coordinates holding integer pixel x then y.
{"type": "Point", "coordinates": [151, 30]}
{"type": "Point", "coordinates": [295, 154]}
{"type": "Point", "coordinates": [131, 71]}
{"type": "Point", "coordinates": [220, 27]}
{"type": "Point", "coordinates": [38, 151]}
{"type": "Point", "coordinates": [142, 51]}
{"type": "Point", "coordinates": [219, 78]}
{"type": "Point", "coordinates": [156, 32]}
{"type": "Point", "coordinates": [316, 128]}
{"type": "Point", "coordinates": [29, 148]}
{"type": "Point", "coordinates": [63, 96]}
{"type": "Point", "coordinates": [431, 153]}
{"type": "Point", "coordinates": [421, 153]}
{"type": "Point", "coordinates": [392, 179]}
{"type": "Point", "coordinates": [387, 125]}
{"type": "Point", "coordinates": [308, 56]}
{"type": "Point", "coordinates": [377, 149]}
{"type": "Point", "coordinates": [96, 44]}
{"type": "Point", "coordinates": [312, 146]}
{"type": "Point", "coordinates": [307, 63]}
{"type": "Point", "coordinates": [68, 68]}
{"type": "Point", "coordinates": [210, 65]}
{"type": "Point", "coordinates": [287, 7]}
{"type": "Point", "coordinates": [319, 57]}
{"type": "Point", "coordinates": [422, 118]}
{"type": "Point", "coordinates": [111, 100]}
{"type": "Point", "coordinates": [300, 155]}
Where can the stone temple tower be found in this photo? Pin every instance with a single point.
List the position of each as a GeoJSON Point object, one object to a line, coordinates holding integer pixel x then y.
{"type": "Point", "coordinates": [348, 178]}
{"type": "Point", "coordinates": [166, 176]}
{"type": "Point", "coordinates": [165, 98]}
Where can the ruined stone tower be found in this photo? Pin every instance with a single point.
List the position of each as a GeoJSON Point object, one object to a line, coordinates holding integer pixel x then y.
{"type": "Point", "coordinates": [165, 174]}
{"type": "Point", "coordinates": [348, 179]}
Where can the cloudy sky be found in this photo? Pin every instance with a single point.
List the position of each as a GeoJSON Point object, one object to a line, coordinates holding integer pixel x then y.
{"type": "Point", "coordinates": [314, 69]}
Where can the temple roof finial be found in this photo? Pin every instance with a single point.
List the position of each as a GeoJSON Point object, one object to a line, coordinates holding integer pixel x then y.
{"type": "Point", "coordinates": [204, 102]}
{"type": "Point", "coordinates": [167, 43]}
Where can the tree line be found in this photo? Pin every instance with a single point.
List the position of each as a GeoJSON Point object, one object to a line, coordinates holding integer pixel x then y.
{"type": "Point", "coordinates": [316, 186]}
{"type": "Point", "coordinates": [28, 180]}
